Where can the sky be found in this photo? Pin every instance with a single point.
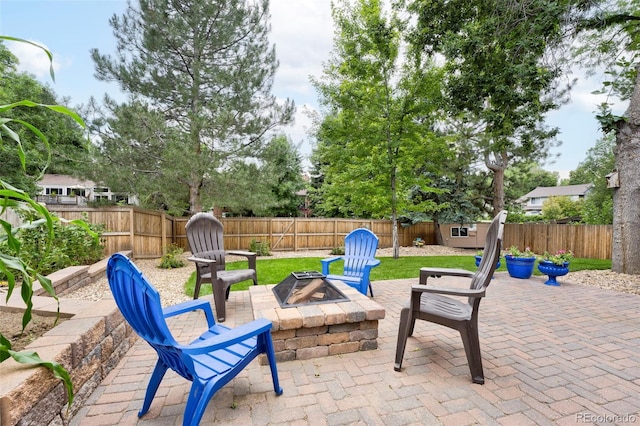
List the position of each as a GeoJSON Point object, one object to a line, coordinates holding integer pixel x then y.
{"type": "Point", "coordinates": [302, 31]}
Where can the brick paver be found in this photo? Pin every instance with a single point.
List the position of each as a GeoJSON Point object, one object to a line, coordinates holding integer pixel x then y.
{"type": "Point", "coordinates": [552, 355]}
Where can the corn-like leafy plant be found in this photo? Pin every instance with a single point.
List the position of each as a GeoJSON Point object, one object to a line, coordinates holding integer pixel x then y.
{"type": "Point", "coordinates": [11, 198]}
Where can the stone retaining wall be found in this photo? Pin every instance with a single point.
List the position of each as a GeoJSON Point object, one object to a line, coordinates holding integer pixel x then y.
{"type": "Point", "coordinates": [88, 345]}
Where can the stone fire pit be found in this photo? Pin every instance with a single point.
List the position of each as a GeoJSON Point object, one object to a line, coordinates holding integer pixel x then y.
{"type": "Point", "coordinates": [312, 331]}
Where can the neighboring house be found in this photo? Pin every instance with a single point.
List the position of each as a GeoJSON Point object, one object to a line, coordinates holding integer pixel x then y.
{"type": "Point", "coordinates": [533, 201]}
{"type": "Point", "coordinates": [68, 190]}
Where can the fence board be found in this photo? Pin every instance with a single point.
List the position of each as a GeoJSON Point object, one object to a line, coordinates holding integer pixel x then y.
{"type": "Point", "coordinates": [148, 233]}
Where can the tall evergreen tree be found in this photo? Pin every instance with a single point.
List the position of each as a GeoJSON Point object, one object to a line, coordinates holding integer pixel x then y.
{"type": "Point", "coordinates": [271, 183]}
{"type": "Point", "coordinates": [199, 76]}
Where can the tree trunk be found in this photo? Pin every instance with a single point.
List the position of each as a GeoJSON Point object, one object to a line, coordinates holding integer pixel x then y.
{"type": "Point", "coordinates": [439, 239]}
{"type": "Point", "coordinates": [626, 199]}
{"type": "Point", "coordinates": [194, 197]}
{"type": "Point", "coordinates": [394, 215]}
{"type": "Point", "coordinates": [394, 236]}
{"type": "Point", "coordinates": [497, 166]}
{"type": "Point", "coordinates": [498, 190]}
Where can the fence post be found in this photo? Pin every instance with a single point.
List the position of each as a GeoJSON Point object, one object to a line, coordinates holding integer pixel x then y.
{"type": "Point", "coordinates": [163, 229]}
{"type": "Point", "coordinates": [132, 230]}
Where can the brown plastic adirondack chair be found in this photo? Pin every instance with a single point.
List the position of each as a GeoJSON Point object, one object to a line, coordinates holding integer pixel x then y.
{"type": "Point", "coordinates": [205, 237]}
{"type": "Point", "coordinates": [433, 304]}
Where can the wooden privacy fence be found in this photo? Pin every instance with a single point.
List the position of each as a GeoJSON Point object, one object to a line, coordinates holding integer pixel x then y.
{"type": "Point", "coordinates": [590, 241]}
{"type": "Point", "coordinates": [147, 233]}
{"type": "Point", "coordinates": [294, 234]}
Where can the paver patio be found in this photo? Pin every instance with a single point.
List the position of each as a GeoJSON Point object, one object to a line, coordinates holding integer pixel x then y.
{"type": "Point", "coordinates": [551, 355]}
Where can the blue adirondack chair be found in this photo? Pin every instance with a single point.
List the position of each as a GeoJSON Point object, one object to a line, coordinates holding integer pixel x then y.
{"type": "Point", "coordinates": [210, 361]}
{"type": "Point", "coordinates": [360, 247]}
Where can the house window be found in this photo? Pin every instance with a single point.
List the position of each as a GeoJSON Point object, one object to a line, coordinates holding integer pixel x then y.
{"type": "Point", "coordinates": [119, 198]}
{"type": "Point", "coordinates": [76, 192]}
{"type": "Point", "coordinates": [53, 191]}
{"type": "Point", "coordinates": [535, 201]}
{"type": "Point", "coordinates": [459, 232]}
{"type": "Point", "coordinates": [101, 198]}
{"type": "Point", "coordinates": [100, 190]}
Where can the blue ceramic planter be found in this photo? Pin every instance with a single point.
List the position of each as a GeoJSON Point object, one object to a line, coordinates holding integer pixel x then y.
{"type": "Point", "coordinates": [553, 271]}
{"type": "Point", "coordinates": [479, 259]}
{"type": "Point", "coordinates": [520, 267]}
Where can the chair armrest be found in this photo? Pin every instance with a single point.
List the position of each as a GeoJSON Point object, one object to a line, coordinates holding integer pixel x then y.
{"type": "Point", "coordinates": [325, 263]}
{"type": "Point", "coordinates": [421, 288]}
{"type": "Point", "coordinates": [190, 306]}
{"type": "Point", "coordinates": [211, 263]}
{"type": "Point", "coordinates": [369, 264]}
{"type": "Point", "coordinates": [439, 272]}
{"type": "Point", "coordinates": [201, 260]}
{"type": "Point", "coordinates": [251, 257]}
{"type": "Point", "coordinates": [234, 335]}
{"type": "Point", "coordinates": [241, 253]}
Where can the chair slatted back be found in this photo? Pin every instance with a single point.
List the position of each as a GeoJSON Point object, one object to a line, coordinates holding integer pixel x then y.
{"type": "Point", "coordinates": [206, 239]}
{"type": "Point", "coordinates": [140, 305]}
{"type": "Point", "coordinates": [359, 248]}
{"type": "Point", "coordinates": [491, 252]}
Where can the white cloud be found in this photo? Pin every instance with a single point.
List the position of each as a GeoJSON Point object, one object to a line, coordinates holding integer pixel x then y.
{"type": "Point", "coordinates": [583, 98]}
{"type": "Point", "coordinates": [302, 31]}
{"type": "Point", "coordinates": [34, 60]}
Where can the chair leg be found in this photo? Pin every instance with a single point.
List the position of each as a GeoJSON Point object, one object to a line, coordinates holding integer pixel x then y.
{"type": "Point", "coordinates": [156, 377]}
{"type": "Point", "coordinates": [403, 333]}
{"type": "Point", "coordinates": [471, 344]}
{"type": "Point", "coordinates": [196, 290]}
{"type": "Point", "coordinates": [267, 343]}
{"type": "Point", "coordinates": [370, 289]}
{"type": "Point", "coordinates": [199, 397]}
{"type": "Point", "coordinates": [219, 301]}
{"type": "Point", "coordinates": [412, 326]}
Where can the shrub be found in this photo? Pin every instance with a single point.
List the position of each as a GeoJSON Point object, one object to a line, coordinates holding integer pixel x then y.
{"type": "Point", "coordinates": [71, 245]}
{"type": "Point", "coordinates": [261, 248]}
{"type": "Point", "coordinates": [515, 252]}
{"type": "Point", "coordinates": [339, 251]}
{"type": "Point", "coordinates": [172, 258]}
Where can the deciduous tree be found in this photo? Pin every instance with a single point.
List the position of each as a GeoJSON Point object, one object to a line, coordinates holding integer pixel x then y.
{"type": "Point", "coordinates": [610, 33]}
{"type": "Point", "coordinates": [380, 111]}
{"type": "Point", "coordinates": [598, 163]}
{"type": "Point", "coordinates": [65, 137]}
{"type": "Point", "coordinates": [497, 79]}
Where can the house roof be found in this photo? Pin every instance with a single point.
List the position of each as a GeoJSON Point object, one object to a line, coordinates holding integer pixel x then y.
{"type": "Point", "coordinates": [558, 191]}
{"type": "Point", "coordinates": [65, 180]}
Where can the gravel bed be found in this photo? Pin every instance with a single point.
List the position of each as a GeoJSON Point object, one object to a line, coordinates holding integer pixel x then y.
{"type": "Point", "coordinates": [169, 282]}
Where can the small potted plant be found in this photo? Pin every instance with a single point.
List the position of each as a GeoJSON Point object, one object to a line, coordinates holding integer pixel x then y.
{"type": "Point", "coordinates": [520, 263]}
{"type": "Point", "coordinates": [555, 265]}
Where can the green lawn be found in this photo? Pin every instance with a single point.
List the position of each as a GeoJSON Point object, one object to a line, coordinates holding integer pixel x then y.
{"type": "Point", "coordinates": [272, 271]}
